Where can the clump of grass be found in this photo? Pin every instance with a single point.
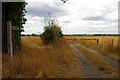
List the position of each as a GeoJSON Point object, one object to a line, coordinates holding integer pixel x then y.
{"type": "Point", "coordinates": [37, 60]}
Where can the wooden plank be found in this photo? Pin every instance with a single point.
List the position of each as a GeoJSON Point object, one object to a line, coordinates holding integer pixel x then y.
{"type": "Point", "coordinates": [15, 28]}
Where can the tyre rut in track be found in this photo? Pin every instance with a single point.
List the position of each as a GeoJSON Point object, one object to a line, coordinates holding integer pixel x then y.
{"type": "Point", "coordinates": [89, 70]}
{"type": "Point", "coordinates": [108, 60]}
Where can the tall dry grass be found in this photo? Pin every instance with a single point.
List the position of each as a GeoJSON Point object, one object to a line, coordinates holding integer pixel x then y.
{"type": "Point", "coordinates": [37, 60]}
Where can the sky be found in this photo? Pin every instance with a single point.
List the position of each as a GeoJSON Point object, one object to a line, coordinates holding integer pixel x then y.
{"type": "Point", "coordinates": [74, 17]}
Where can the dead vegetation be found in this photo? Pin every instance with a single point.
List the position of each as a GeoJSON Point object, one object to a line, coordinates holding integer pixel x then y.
{"type": "Point", "coordinates": [37, 61]}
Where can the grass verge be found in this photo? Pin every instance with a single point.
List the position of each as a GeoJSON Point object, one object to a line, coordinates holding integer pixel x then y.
{"type": "Point", "coordinates": [38, 61]}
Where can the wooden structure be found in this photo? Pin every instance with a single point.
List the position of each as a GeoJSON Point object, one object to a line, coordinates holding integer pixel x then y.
{"type": "Point", "coordinates": [8, 45]}
{"type": "Point", "coordinates": [9, 37]}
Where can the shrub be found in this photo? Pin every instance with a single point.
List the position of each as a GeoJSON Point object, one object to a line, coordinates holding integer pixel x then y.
{"type": "Point", "coordinates": [52, 33]}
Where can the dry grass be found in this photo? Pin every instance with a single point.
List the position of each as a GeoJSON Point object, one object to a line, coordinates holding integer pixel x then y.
{"type": "Point", "coordinates": [99, 63]}
{"type": "Point", "coordinates": [37, 60]}
{"type": "Point", "coordinates": [105, 45]}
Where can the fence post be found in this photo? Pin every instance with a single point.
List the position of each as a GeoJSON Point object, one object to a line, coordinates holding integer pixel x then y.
{"type": "Point", "coordinates": [9, 38]}
{"type": "Point", "coordinates": [97, 41]}
{"type": "Point", "coordinates": [9, 44]}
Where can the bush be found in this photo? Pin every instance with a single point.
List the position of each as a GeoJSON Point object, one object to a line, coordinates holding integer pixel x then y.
{"type": "Point", "coordinates": [51, 34]}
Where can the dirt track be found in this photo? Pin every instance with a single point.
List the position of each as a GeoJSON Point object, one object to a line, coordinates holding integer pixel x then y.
{"type": "Point", "coordinates": [89, 70]}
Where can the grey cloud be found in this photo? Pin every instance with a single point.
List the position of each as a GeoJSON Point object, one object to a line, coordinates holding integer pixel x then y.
{"type": "Point", "coordinates": [113, 21]}
{"type": "Point", "coordinates": [94, 18]}
{"type": "Point", "coordinates": [98, 24]}
{"type": "Point", "coordinates": [58, 3]}
{"type": "Point", "coordinates": [108, 10]}
{"type": "Point", "coordinates": [67, 21]}
{"type": "Point", "coordinates": [43, 8]}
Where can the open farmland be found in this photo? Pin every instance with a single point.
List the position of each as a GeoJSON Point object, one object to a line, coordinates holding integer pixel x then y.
{"type": "Point", "coordinates": [107, 45]}
{"type": "Point", "coordinates": [101, 51]}
{"type": "Point", "coordinates": [72, 57]}
{"type": "Point", "coordinates": [60, 39]}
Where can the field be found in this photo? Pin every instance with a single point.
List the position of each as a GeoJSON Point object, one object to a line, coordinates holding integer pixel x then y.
{"type": "Point", "coordinates": [107, 45]}
{"type": "Point", "coordinates": [37, 60]}
{"type": "Point", "coordinates": [101, 51]}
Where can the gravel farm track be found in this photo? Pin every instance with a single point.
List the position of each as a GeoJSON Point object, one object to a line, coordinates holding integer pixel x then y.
{"type": "Point", "coordinates": [89, 70]}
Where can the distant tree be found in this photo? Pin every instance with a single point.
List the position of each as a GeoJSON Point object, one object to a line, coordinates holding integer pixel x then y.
{"type": "Point", "coordinates": [52, 31]}
{"type": "Point", "coordinates": [33, 34]}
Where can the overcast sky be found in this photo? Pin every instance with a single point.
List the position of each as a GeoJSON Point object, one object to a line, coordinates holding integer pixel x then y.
{"type": "Point", "coordinates": [75, 16]}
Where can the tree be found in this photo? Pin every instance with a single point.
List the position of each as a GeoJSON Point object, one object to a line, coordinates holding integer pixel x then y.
{"type": "Point", "coordinates": [33, 34]}
{"type": "Point", "coordinates": [15, 13]}
{"type": "Point", "coordinates": [52, 31]}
